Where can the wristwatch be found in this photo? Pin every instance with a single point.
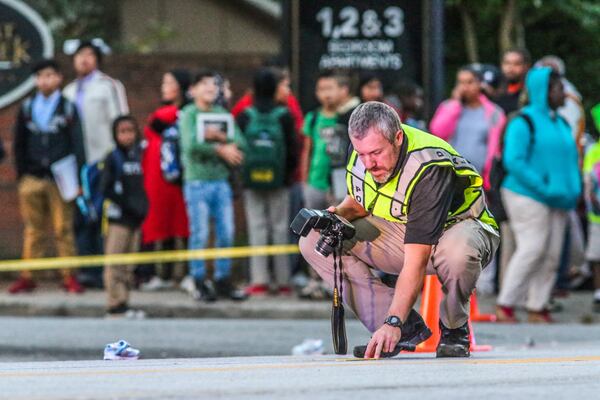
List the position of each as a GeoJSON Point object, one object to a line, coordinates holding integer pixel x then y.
{"type": "Point", "coordinates": [394, 321]}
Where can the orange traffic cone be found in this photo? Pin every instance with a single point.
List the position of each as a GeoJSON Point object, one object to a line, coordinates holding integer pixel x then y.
{"type": "Point", "coordinates": [474, 345]}
{"type": "Point", "coordinates": [430, 311]}
{"type": "Point", "coordinates": [476, 316]}
{"type": "Point", "coordinates": [430, 306]}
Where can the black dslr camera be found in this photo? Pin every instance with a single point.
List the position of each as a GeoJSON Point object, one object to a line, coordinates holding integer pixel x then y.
{"type": "Point", "coordinates": [334, 228]}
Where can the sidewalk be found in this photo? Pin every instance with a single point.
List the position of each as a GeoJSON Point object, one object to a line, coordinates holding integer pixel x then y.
{"type": "Point", "coordinates": [49, 301]}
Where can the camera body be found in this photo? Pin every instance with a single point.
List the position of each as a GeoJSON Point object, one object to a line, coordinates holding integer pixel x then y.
{"type": "Point", "coordinates": [332, 227]}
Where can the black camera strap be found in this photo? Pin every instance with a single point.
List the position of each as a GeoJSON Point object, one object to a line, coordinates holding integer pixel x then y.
{"type": "Point", "coordinates": [338, 323]}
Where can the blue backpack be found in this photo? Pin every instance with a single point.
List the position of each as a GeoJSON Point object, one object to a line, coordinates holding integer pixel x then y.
{"type": "Point", "coordinates": [91, 202]}
{"type": "Point", "coordinates": [170, 159]}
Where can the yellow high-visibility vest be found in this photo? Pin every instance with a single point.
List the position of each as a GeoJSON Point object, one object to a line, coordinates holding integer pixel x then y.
{"type": "Point", "coordinates": [391, 200]}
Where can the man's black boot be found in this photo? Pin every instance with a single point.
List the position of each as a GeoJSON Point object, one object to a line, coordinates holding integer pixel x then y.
{"type": "Point", "coordinates": [414, 331]}
{"type": "Point", "coordinates": [454, 342]}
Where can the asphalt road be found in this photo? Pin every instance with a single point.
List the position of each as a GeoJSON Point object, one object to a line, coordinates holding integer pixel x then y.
{"type": "Point", "coordinates": [559, 361]}
{"type": "Point", "coordinates": [42, 339]}
{"type": "Point", "coordinates": [549, 374]}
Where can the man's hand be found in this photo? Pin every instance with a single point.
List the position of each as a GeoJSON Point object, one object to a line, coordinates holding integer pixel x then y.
{"type": "Point", "coordinates": [349, 209]}
{"type": "Point", "coordinates": [230, 154]}
{"type": "Point", "coordinates": [384, 339]}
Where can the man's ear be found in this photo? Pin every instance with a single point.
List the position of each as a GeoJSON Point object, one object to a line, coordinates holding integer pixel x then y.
{"type": "Point", "coordinates": [399, 136]}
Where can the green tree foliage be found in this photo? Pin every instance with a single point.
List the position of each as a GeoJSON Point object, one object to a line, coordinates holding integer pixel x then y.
{"type": "Point", "coordinates": [84, 19]}
{"type": "Point", "coordinates": [569, 29]}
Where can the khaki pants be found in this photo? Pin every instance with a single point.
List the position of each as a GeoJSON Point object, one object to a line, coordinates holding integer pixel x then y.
{"type": "Point", "coordinates": [539, 234]}
{"type": "Point", "coordinates": [40, 203]}
{"type": "Point", "coordinates": [507, 249]}
{"type": "Point", "coordinates": [267, 215]}
{"type": "Point", "coordinates": [458, 259]}
{"type": "Point", "coordinates": [119, 278]}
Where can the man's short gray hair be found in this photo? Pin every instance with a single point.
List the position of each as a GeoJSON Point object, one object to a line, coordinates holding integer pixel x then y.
{"type": "Point", "coordinates": [374, 114]}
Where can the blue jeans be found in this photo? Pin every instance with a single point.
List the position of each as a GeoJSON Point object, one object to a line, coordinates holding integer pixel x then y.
{"type": "Point", "coordinates": [206, 200]}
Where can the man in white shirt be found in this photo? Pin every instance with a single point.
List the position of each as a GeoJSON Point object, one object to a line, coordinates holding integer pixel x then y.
{"type": "Point", "coordinates": [99, 100]}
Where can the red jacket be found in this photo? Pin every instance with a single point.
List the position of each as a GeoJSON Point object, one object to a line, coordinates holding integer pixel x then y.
{"type": "Point", "coordinates": [167, 216]}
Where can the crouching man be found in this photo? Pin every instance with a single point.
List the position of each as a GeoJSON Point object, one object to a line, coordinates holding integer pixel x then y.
{"type": "Point", "coordinates": [418, 208]}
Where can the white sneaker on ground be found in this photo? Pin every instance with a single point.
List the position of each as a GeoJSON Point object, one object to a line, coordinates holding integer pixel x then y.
{"type": "Point", "coordinates": [120, 350]}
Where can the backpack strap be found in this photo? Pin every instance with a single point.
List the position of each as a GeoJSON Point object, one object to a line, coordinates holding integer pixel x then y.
{"type": "Point", "coordinates": [531, 127]}
{"type": "Point", "coordinates": [118, 160]}
{"type": "Point", "coordinates": [529, 123]}
{"type": "Point", "coordinates": [26, 107]}
{"type": "Point", "coordinates": [252, 112]}
{"type": "Point", "coordinates": [68, 109]}
{"type": "Point", "coordinates": [279, 111]}
{"type": "Point", "coordinates": [313, 121]}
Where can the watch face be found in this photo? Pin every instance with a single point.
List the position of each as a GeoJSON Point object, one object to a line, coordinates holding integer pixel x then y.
{"type": "Point", "coordinates": [393, 320]}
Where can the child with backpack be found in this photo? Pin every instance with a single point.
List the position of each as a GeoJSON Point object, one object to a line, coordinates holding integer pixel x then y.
{"type": "Point", "coordinates": [47, 131]}
{"type": "Point", "coordinates": [125, 207]}
{"type": "Point", "coordinates": [270, 161]}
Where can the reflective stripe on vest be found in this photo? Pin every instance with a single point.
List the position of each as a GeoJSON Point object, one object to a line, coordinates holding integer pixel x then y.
{"type": "Point", "coordinates": [391, 201]}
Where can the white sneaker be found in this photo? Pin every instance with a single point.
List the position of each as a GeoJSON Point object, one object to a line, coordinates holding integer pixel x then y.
{"type": "Point", "coordinates": [188, 284]}
{"type": "Point", "coordinates": [120, 350]}
{"type": "Point", "coordinates": [308, 347]}
{"type": "Point", "coordinates": [155, 284]}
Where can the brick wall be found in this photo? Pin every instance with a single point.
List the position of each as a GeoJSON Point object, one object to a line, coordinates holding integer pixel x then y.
{"type": "Point", "coordinates": [141, 75]}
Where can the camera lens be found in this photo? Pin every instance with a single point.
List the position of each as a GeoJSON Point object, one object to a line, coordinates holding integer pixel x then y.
{"type": "Point", "coordinates": [325, 245]}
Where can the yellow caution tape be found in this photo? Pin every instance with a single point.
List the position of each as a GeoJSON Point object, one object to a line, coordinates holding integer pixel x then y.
{"type": "Point", "coordinates": [144, 258]}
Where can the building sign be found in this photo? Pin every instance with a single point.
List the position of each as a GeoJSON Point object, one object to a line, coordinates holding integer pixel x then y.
{"type": "Point", "coordinates": [383, 36]}
{"type": "Point", "coordinates": [24, 40]}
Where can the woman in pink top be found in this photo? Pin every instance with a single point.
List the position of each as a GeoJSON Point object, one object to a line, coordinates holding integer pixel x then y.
{"type": "Point", "coordinates": [470, 122]}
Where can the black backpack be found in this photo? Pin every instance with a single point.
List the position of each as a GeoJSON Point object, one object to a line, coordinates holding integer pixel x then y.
{"type": "Point", "coordinates": [498, 173]}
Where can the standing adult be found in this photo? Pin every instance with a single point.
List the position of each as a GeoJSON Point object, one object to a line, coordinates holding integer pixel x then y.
{"type": "Point", "coordinates": [542, 184]}
{"type": "Point", "coordinates": [573, 112]}
{"type": "Point", "coordinates": [370, 87]}
{"type": "Point", "coordinates": [515, 64]}
{"type": "Point", "coordinates": [99, 100]}
{"type": "Point", "coordinates": [166, 220]}
{"type": "Point", "coordinates": [410, 106]}
{"type": "Point", "coordinates": [470, 122]}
